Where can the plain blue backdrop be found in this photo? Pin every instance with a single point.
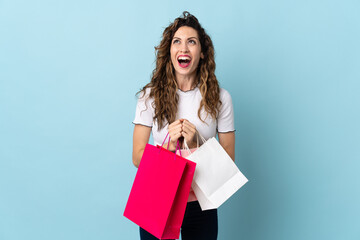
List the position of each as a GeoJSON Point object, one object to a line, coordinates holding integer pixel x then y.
{"type": "Point", "coordinates": [69, 71]}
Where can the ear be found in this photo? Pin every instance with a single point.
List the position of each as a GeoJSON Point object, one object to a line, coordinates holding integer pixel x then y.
{"type": "Point", "coordinates": [202, 56]}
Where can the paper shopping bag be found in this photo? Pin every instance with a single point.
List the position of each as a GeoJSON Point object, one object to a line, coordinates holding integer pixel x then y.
{"type": "Point", "coordinates": [184, 153]}
{"type": "Point", "coordinates": [159, 194]}
{"type": "Point", "coordinates": [216, 176]}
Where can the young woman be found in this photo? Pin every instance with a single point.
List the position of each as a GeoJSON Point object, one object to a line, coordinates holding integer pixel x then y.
{"type": "Point", "coordinates": [183, 97]}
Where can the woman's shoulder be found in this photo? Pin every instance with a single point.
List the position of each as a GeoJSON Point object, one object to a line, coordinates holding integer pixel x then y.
{"type": "Point", "coordinates": [144, 94]}
{"type": "Point", "coordinates": [224, 95]}
{"type": "Point", "coordinates": [145, 102]}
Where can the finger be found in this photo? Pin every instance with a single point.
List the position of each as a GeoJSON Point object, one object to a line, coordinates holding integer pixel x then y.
{"type": "Point", "coordinates": [175, 130]}
{"type": "Point", "coordinates": [185, 135]}
{"type": "Point", "coordinates": [188, 137]}
{"type": "Point", "coordinates": [189, 130]}
{"type": "Point", "coordinates": [189, 124]}
{"type": "Point", "coordinates": [178, 121]}
{"type": "Point", "coordinates": [175, 133]}
{"type": "Point", "coordinates": [186, 129]}
{"type": "Point", "coordinates": [175, 137]}
{"type": "Point", "coordinates": [174, 126]}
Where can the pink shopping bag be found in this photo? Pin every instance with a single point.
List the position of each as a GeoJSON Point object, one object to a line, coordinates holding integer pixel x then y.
{"type": "Point", "coordinates": [159, 194]}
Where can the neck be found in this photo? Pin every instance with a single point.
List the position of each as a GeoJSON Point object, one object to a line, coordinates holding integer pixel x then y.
{"type": "Point", "coordinates": [186, 82]}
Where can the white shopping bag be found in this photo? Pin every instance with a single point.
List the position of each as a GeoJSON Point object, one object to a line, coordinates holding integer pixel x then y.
{"type": "Point", "coordinates": [216, 176]}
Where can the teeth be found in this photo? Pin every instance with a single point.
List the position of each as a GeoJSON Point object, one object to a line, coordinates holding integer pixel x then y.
{"type": "Point", "coordinates": [184, 58]}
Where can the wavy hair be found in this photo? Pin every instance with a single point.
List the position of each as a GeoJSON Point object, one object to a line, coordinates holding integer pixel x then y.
{"type": "Point", "coordinates": [163, 85]}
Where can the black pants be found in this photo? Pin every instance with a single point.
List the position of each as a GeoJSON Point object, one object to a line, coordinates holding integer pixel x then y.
{"type": "Point", "coordinates": [197, 224]}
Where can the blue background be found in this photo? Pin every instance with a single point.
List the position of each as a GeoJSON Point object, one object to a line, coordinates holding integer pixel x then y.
{"type": "Point", "coordinates": [69, 71]}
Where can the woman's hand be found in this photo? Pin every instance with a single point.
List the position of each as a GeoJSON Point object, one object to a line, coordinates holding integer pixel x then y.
{"type": "Point", "coordinates": [182, 128]}
{"type": "Point", "coordinates": [175, 132]}
{"type": "Point", "coordinates": [189, 133]}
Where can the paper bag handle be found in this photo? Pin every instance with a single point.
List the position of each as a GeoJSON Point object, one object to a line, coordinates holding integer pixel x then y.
{"type": "Point", "coordinates": [197, 141]}
{"type": "Point", "coordinates": [177, 144]}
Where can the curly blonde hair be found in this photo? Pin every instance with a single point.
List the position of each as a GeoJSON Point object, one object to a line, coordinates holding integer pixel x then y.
{"type": "Point", "coordinates": [163, 85]}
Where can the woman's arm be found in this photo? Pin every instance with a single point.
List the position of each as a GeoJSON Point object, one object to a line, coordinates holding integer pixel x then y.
{"type": "Point", "coordinates": [141, 137]}
{"type": "Point", "coordinates": [227, 141]}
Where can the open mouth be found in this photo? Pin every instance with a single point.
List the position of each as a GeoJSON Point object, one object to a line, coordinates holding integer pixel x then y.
{"type": "Point", "coordinates": [184, 60]}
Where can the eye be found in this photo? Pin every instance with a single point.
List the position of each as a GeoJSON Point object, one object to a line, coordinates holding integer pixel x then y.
{"type": "Point", "coordinates": [176, 41]}
{"type": "Point", "coordinates": [192, 41]}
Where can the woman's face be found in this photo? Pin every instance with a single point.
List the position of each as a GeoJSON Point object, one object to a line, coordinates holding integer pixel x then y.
{"type": "Point", "coordinates": [185, 51]}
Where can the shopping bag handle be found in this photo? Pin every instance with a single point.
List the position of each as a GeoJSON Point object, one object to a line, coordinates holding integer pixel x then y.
{"type": "Point", "coordinates": [197, 141]}
{"type": "Point", "coordinates": [177, 144]}
{"type": "Point", "coordinates": [177, 148]}
{"type": "Point", "coordinates": [165, 140]}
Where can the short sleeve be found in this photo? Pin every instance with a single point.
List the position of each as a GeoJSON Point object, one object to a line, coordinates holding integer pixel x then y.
{"type": "Point", "coordinates": [144, 110]}
{"type": "Point", "coordinates": [225, 120]}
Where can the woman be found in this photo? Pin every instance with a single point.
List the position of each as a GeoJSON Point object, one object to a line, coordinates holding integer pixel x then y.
{"type": "Point", "coordinates": [183, 97]}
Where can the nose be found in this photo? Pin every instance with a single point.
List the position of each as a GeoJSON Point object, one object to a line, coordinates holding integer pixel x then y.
{"type": "Point", "coordinates": [184, 48]}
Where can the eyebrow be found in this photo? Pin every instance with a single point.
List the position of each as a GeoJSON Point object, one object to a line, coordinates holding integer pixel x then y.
{"type": "Point", "coordinates": [188, 38]}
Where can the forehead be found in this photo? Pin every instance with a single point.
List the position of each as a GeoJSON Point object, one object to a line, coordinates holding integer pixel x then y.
{"type": "Point", "coordinates": [186, 32]}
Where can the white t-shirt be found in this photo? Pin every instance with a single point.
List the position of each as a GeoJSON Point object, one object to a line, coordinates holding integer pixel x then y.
{"type": "Point", "coordinates": [188, 107]}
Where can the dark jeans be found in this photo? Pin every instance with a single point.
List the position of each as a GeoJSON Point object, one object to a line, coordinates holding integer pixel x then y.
{"type": "Point", "coordinates": [197, 224]}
